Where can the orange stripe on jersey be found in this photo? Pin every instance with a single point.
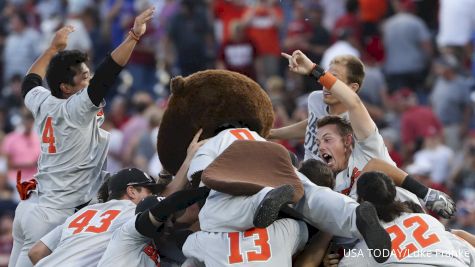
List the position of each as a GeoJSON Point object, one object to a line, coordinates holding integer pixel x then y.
{"type": "Point", "coordinates": [242, 134]}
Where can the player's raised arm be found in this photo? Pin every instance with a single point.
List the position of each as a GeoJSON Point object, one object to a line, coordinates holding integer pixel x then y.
{"type": "Point", "coordinates": [294, 131]}
{"type": "Point", "coordinates": [361, 122]}
{"type": "Point", "coordinates": [434, 200]}
{"type": "Point", "coordinates": [108, 70]}
{"type": "Point", "coordinates": [37, 71]}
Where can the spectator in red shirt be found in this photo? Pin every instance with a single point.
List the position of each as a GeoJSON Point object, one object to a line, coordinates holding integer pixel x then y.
{"type": "Point", "coordinates": [299, 31]}
{"type": "Point", "coordinates": [350, 20]}
{"type": "Point", "coordinates": [415, 120]}
{"type": "Point", "coordinates": [263, 21]}
{"type": "Point", "coordinates": [238, 53]}
{"type": "Point", "coordinates": [226, 11]}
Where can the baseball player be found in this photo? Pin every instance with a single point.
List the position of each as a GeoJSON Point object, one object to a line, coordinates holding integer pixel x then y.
{"type": "Point", "coordinates": [133, 240]}
{"type": "Point", "coordinates": [417, 238]}
{"type": "Point", "coordinates": [347, 147]}
{"type": "Point", "coordinates": [83, 237]}
{"type": "Point", "coordinates": [227, 213]}
{"type": "Point", "coordinates": [68, 117]}
{"type": "Point", "coordinates": [271, 246]}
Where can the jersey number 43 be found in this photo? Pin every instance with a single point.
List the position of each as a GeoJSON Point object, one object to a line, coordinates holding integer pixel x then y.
{"type": "Point", "coordinates": [83, 221]}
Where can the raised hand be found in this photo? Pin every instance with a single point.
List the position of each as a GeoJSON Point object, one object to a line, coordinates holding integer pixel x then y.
{"type": "Point", "coordinates": [60, 39]}
{"type": "Point", "coordinates": [440, 203]}
{"type": "Point", "coordinates": [195, 145]}
{"type": "Point", "coordinates": [299, 62]}
{"type": "Point", "coordinates": [140, 23]}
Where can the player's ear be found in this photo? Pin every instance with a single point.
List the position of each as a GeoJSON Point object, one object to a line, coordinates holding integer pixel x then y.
{"type": "Point", "coordinates": [348, 140]}
{"type": "Point", "coordinates": [131, 192]}
{"type": "Point", "coordinates": [65, 88]}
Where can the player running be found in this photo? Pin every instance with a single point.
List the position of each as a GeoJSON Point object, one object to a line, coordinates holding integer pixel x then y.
{"type": "Point", "coordinates": [74, 148]}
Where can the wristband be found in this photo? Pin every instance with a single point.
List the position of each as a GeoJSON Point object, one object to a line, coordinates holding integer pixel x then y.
{"type": "Point", "coordinates": [414, 186]}
{"type": "Point", "coordinates": [133, 35]}
{"type": "Point", "coordinates": [316, 71]}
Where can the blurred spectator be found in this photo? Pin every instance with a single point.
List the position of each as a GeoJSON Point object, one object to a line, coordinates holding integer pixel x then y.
{"type": "Point", "coordinates": [416, 120]}
{"type": "Point", "coordinates": [142, 61]}
{"type": "Point", "coordinates": [263, 21]}
{"type": "Point", "coordinates": [21, 46]}
{"type": "Point", "coordinates": [437, 154]}
{"type": "Point", "coordinates": [320, 39]}
{"type": "Point", "coordinates": [119, 14]}
{"type": "Point", "coordinates": [421, 170]}
{"type": "Point", "coordinates": [11, 95]}
{"type": "Point", "coordinates": [346, 45]}
{"type": "Point", "coordinates": [135, 126]}
{"type": "Point", "coordinates": [145, 146]}
{"type": "Point", "coordinates": [465, 217]}
{"type": "Point", "coordinates": [371, 13]}
{"type": "Point", "coordinates": [92, 24]}
{"type": "Point", "coordinates": [225, 12]}
{"type": "Point", "coordinates": [191, 34]}
{"type": "Point", "coordinates": [464, 174]}
{"type": "Point", "coordinates": [6, 238]}
{"type": "Point", "coordinates": [8, 195]}
{"type": "Point", "coordinates": [456, 25]}
{"type": "Point", "coordinates": [118, 112]}
{"type": "Point", "coordinates": [238, 53]}
{"type": "Point", "coordinates": [22, 149]}
{"type": "Point", "coordinates": [374, 91]}
{"type": "Point", "coordinates": [350, 20]}
{"type": "Point", "coordinates": [450, 99]}
{"type": "Point", "coordinates": [114, 156]}
{"type": "Point", "coordinates": [407, 46]}
{"type": "Point", "coordinates": [333, 9]}
{"type": "Point", "coordinates": [390, 138]}
{"type": "Point", "coordinates": [299, 31]}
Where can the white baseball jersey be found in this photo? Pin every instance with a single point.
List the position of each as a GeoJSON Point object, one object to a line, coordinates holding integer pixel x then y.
{"type": "Point", "coordinates": [85, 235]}
{"type": "Point", "coordinates": [216, 145]}
{"type": "Point", "coordinates": [417, 239]}
{"type": "Point", "coordinates": [271, 246]}
{"type": "Point", "coordinates": [128, 247]}
{"type": "Point", "coordinates": [73, 147]}
{"type": "Point", "coordinates": [317, 109]}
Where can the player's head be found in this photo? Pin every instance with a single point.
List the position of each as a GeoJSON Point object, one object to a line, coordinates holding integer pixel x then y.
{"type": "Point", "coordinates": [379, 189]}
{"type": "Point", "coordinates": [132, 184]}
{"type": "Point", "coordinates": [67, 73]}
{"type": "Point", "coordinates": [335, 141]}
{"type": "Point", "coordinates": [348, 69]}
{"type": "Point", "coordinates": [318, 172]}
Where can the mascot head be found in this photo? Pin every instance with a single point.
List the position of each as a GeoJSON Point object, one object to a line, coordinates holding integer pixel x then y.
{"type": "Point", "coordinates": [212, 100]}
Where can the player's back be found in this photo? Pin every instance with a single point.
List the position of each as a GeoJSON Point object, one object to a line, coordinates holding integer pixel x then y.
{"type": "Point", "coordinates": [271, 246]}
{"type": "Point", "coordinates": [73, 147]}
{"type": "Point", "coordinates": [85, 234]}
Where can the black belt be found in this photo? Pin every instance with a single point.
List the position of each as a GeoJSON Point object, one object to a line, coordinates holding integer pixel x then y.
{"type": "Point", "coordinates": [81, 206]}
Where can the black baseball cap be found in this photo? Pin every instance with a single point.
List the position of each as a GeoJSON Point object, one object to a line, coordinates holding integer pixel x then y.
{"type": "Point", "coordinates": [132, 177]}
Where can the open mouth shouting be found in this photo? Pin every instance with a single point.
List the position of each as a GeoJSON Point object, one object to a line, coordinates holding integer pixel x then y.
{"type": "Point", "coordinates": [328, 159]}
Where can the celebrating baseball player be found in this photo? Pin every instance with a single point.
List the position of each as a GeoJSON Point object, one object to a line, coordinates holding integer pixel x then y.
{"type": "Point", "coordinates": [82, 239]}
{"type": "Point", "coordinates": [73, 148]}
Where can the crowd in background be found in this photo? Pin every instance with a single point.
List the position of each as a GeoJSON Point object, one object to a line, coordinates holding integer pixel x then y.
{"type": "Point", "coordinates": [419, 86]}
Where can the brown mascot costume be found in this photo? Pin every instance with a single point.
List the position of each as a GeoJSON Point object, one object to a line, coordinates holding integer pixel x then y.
{"type": "Point", "coordinates": [215, 100]}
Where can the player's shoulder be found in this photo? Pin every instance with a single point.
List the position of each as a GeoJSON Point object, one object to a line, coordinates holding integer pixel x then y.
{"type": "Point", "coordinates": [316, 95]}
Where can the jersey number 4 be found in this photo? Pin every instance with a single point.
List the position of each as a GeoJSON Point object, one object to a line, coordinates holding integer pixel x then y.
{"type": "Point", "coordinates": [418, 235]}
{"type": "Point", "coordinates": [83, 221]}
{"type": "Point", "coordinates": [262, 241]}
{"type": "Point", "coordinates": [48, 135]}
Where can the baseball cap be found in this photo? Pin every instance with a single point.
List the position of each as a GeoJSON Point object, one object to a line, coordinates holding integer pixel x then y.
{"type": "Point", "coordinates": [132, 177]}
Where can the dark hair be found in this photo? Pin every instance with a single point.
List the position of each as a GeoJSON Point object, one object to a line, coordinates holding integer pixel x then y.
{"type": "Point", "coordinates": [119, 194]}
{"type": "Point", "coordinates": [318, 172]}
{"type": "Point", "coordinates": [22, 16]}
{"type": "Point", "coordinates": [344, 127]}
{"type": "Point", "coordinates": [379, 189]}
{"type": "Point", "coordinates": [62, 69]}
{"type": "Point", "coordinates": [414, 207]}
{"type": "Point", "coordinates": [103, 193]}
{"type": "Point", "coordinates": [351, 6]}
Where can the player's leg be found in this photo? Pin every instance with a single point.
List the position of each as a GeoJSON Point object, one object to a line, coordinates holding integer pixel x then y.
{"type": "Point", "coordinates": [337, 214]}
{"type": "Point", "coordinates": [18, 236]}
{"type": "Point", "coordinates": [227, 213]}
{"type": "Point", "coordinates": [39, 222]}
